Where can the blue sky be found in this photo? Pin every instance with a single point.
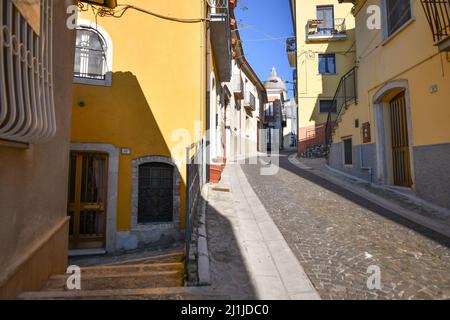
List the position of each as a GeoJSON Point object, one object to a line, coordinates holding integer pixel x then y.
{"type": "Point", "coordinates": [259, 22]}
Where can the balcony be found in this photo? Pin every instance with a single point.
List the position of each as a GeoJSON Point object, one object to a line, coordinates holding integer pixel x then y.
{"type": "Point", "coordinates": [316, 30]}
{"type": "Point", "coordinates": [291, 50]}
{"type": "Point", "coordinates": [438, 17]}
{"type": "Point", "coordinates": [219, 14]}
{"type": "Point", "coordinates": [237, 86]}
{"type": "Point", "coordinates": [27, 108]}
{"type": "Point", "coordinates": [250, 101]}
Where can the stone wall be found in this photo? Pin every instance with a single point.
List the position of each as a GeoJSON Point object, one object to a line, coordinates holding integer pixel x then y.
{"type": "Point", "coordinates": [336, 160]}
{"type": "Point", "coordinates": [432, 173]}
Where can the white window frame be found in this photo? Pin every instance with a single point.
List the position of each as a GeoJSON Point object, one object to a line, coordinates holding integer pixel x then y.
{"type": "Point", "coordinates": [385, 24]}
{"type": "Point", "coordinates": [109, 51]}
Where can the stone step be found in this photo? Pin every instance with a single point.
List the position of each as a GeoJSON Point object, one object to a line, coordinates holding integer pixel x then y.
{"type": "Point", "coordinates": [181, 293]}
{"type": "Point", "coordinates": [131, 280]}
{"type": "Point", "coordinates": [165, 258]}
{"type": "Point", "coordinates": [132, 268]}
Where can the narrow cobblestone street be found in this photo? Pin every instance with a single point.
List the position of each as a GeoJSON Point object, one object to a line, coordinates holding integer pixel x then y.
{"type": "Point", "coordinates": [336, 236]}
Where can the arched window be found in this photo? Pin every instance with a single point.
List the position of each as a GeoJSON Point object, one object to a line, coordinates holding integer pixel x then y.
{"type": "Point", "coordinates": [155, 199]}
{"type": "Point", "coordinates": [90, 54]}
{"type": "Point", "coordinates": [93, 54]}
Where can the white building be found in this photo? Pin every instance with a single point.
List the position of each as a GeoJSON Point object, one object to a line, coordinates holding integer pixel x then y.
{"type": "Point", "coordinates": [279, 128]}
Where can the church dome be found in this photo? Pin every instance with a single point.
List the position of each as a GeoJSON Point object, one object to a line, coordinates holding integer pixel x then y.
{"type": "Point", "coordinates": [274, 82]}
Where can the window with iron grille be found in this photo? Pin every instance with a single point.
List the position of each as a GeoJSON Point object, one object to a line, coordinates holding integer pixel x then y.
{"type": "Point", "coordinates": [90, 54]}
{"type": "Point", "coordinates": [348, 151]}
{"type": "Point", "coordinates": [155, 199]}
{"type": "Point", "coordinates": [398, 12]}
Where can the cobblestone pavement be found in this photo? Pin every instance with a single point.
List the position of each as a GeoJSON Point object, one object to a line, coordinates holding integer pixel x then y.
{"type": "Point", "coordinates": [337, 235]}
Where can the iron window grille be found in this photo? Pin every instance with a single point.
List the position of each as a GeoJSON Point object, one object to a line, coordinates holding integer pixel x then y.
{"type": "Point", "coordinates": [27, 111]}
{"type": "Point", "coordinates": [90, 54]}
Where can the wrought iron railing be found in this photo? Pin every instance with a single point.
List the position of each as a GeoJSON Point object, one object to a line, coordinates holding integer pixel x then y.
{"type": "Point", "coordinates": [237, 85]}
{"type": "Point", "coordinates": [219, 6]}
{"type": "Point", "coordinates": [27, 112]}
{"type": "Point", "coordinates": [194, 184]}
{"type": "Point", "coordinates": [291, 45]}
{"type": "Point", "coordinates": [345, 95]}
{"type": "Point", "coordinates": [318, 28]}
{"type": "Point", "coordinates": [438, 17]}
{"type": "Point", "coordinates": [250, 100]}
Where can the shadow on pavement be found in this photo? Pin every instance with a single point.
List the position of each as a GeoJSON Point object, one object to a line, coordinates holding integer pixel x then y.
{"type": "Point", "coordinates": [308, 175]}
{"type": "Point", "coordinates": [229, 273]}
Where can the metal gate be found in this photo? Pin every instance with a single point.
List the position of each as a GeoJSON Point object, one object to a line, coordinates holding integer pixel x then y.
{"type": "Point", "coordinates": [87, 200]}
{"type": "Point", "coordinates": [194, 183]}
{"type": "Point", "coordinates": [400, 146]}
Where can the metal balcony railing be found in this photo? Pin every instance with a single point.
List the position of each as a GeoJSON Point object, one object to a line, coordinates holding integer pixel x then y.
{"type": "Point", "coordinates": [291, 45]}
{"type": "Point", "coordinates": [438, 17]}
{"type": "Point", "coordinates": [318, 29]}
{"type": "Point", "coordinates": [220, 26]}
{"type": "Point", "coordinates": [219, 6]}
{"type": "Point", "coordinates": [250, 101]}
{"type": "Point", "coordinates": [291, 49]}
{"type": "Point", "coordinates": [238, 86]}
{"type": "Point", "coordinates": [345, 95]}
{"type": "Point", "coordinates": [27, 109]}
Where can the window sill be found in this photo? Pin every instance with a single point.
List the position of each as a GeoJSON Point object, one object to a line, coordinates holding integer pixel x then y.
{"type": "Point", "coordinates": [327, 74]}
{"type": "Point", "coordinates": [107, 82]}
{"type": "Point", "coordinates": [396, 33]}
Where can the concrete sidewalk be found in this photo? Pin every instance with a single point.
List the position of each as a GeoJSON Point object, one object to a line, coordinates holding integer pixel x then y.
{"type": "Point", "coordinates": [257, 249]}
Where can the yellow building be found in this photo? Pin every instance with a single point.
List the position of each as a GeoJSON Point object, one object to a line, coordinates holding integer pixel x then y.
{"type": "Point", "coordinates": [139, 103]}
{"type": "Point", "coordinates": [398, 133]}
{"type": "Point", "coordinates": [35, 102]}
{"type": "Point", "coordinates": [322, 53]}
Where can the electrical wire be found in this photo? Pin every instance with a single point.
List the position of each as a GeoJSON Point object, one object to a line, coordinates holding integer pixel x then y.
{"type": "Point", "coordinates": [121, 9]}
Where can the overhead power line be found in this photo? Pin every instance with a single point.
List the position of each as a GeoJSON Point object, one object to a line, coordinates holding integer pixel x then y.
{"type": "Point", "coordinates": [121, 9]}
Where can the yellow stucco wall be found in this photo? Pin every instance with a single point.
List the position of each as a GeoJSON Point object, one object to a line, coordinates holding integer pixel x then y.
{"type": "Point", "coordinates": [313, 86]}
{"type": "Point", "coordinates": [158, 86]}
{"type": "Point", "coordinates": [410, 55]}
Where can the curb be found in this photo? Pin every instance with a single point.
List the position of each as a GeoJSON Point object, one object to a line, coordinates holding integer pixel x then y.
{"type": "Point", "coordinates": [380, 201]}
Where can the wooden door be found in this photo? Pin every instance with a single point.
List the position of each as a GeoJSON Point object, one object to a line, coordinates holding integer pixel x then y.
{"type": "Point", "coordinates": [87, 200]}
{"type": "Point", "coordinates": [400, 142]}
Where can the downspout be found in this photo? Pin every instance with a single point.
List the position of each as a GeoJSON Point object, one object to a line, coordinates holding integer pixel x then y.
{"type": "Point", "coordinates": [207, 80]}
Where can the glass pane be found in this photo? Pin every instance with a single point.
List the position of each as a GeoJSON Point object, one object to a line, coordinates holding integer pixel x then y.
{"type": "Point", "coordinates": [398, 12]}
{"type": "Point", "coordinates": [90, 55]}
{"type": "Point", "coordinates": [326, 15]}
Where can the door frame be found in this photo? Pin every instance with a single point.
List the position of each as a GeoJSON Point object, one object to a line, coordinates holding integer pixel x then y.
{"type": "Point", "coordinates": [112, 186]}
{"type": "Point", "coordinates": [381, 101]}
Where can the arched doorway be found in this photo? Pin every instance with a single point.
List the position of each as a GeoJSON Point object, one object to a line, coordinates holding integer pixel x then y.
{"type": "Point", "coordinates": [393, 133]}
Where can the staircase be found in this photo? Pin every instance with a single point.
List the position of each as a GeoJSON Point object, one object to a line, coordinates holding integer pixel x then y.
{"type": "Point", "coordinates": [155, 277]}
